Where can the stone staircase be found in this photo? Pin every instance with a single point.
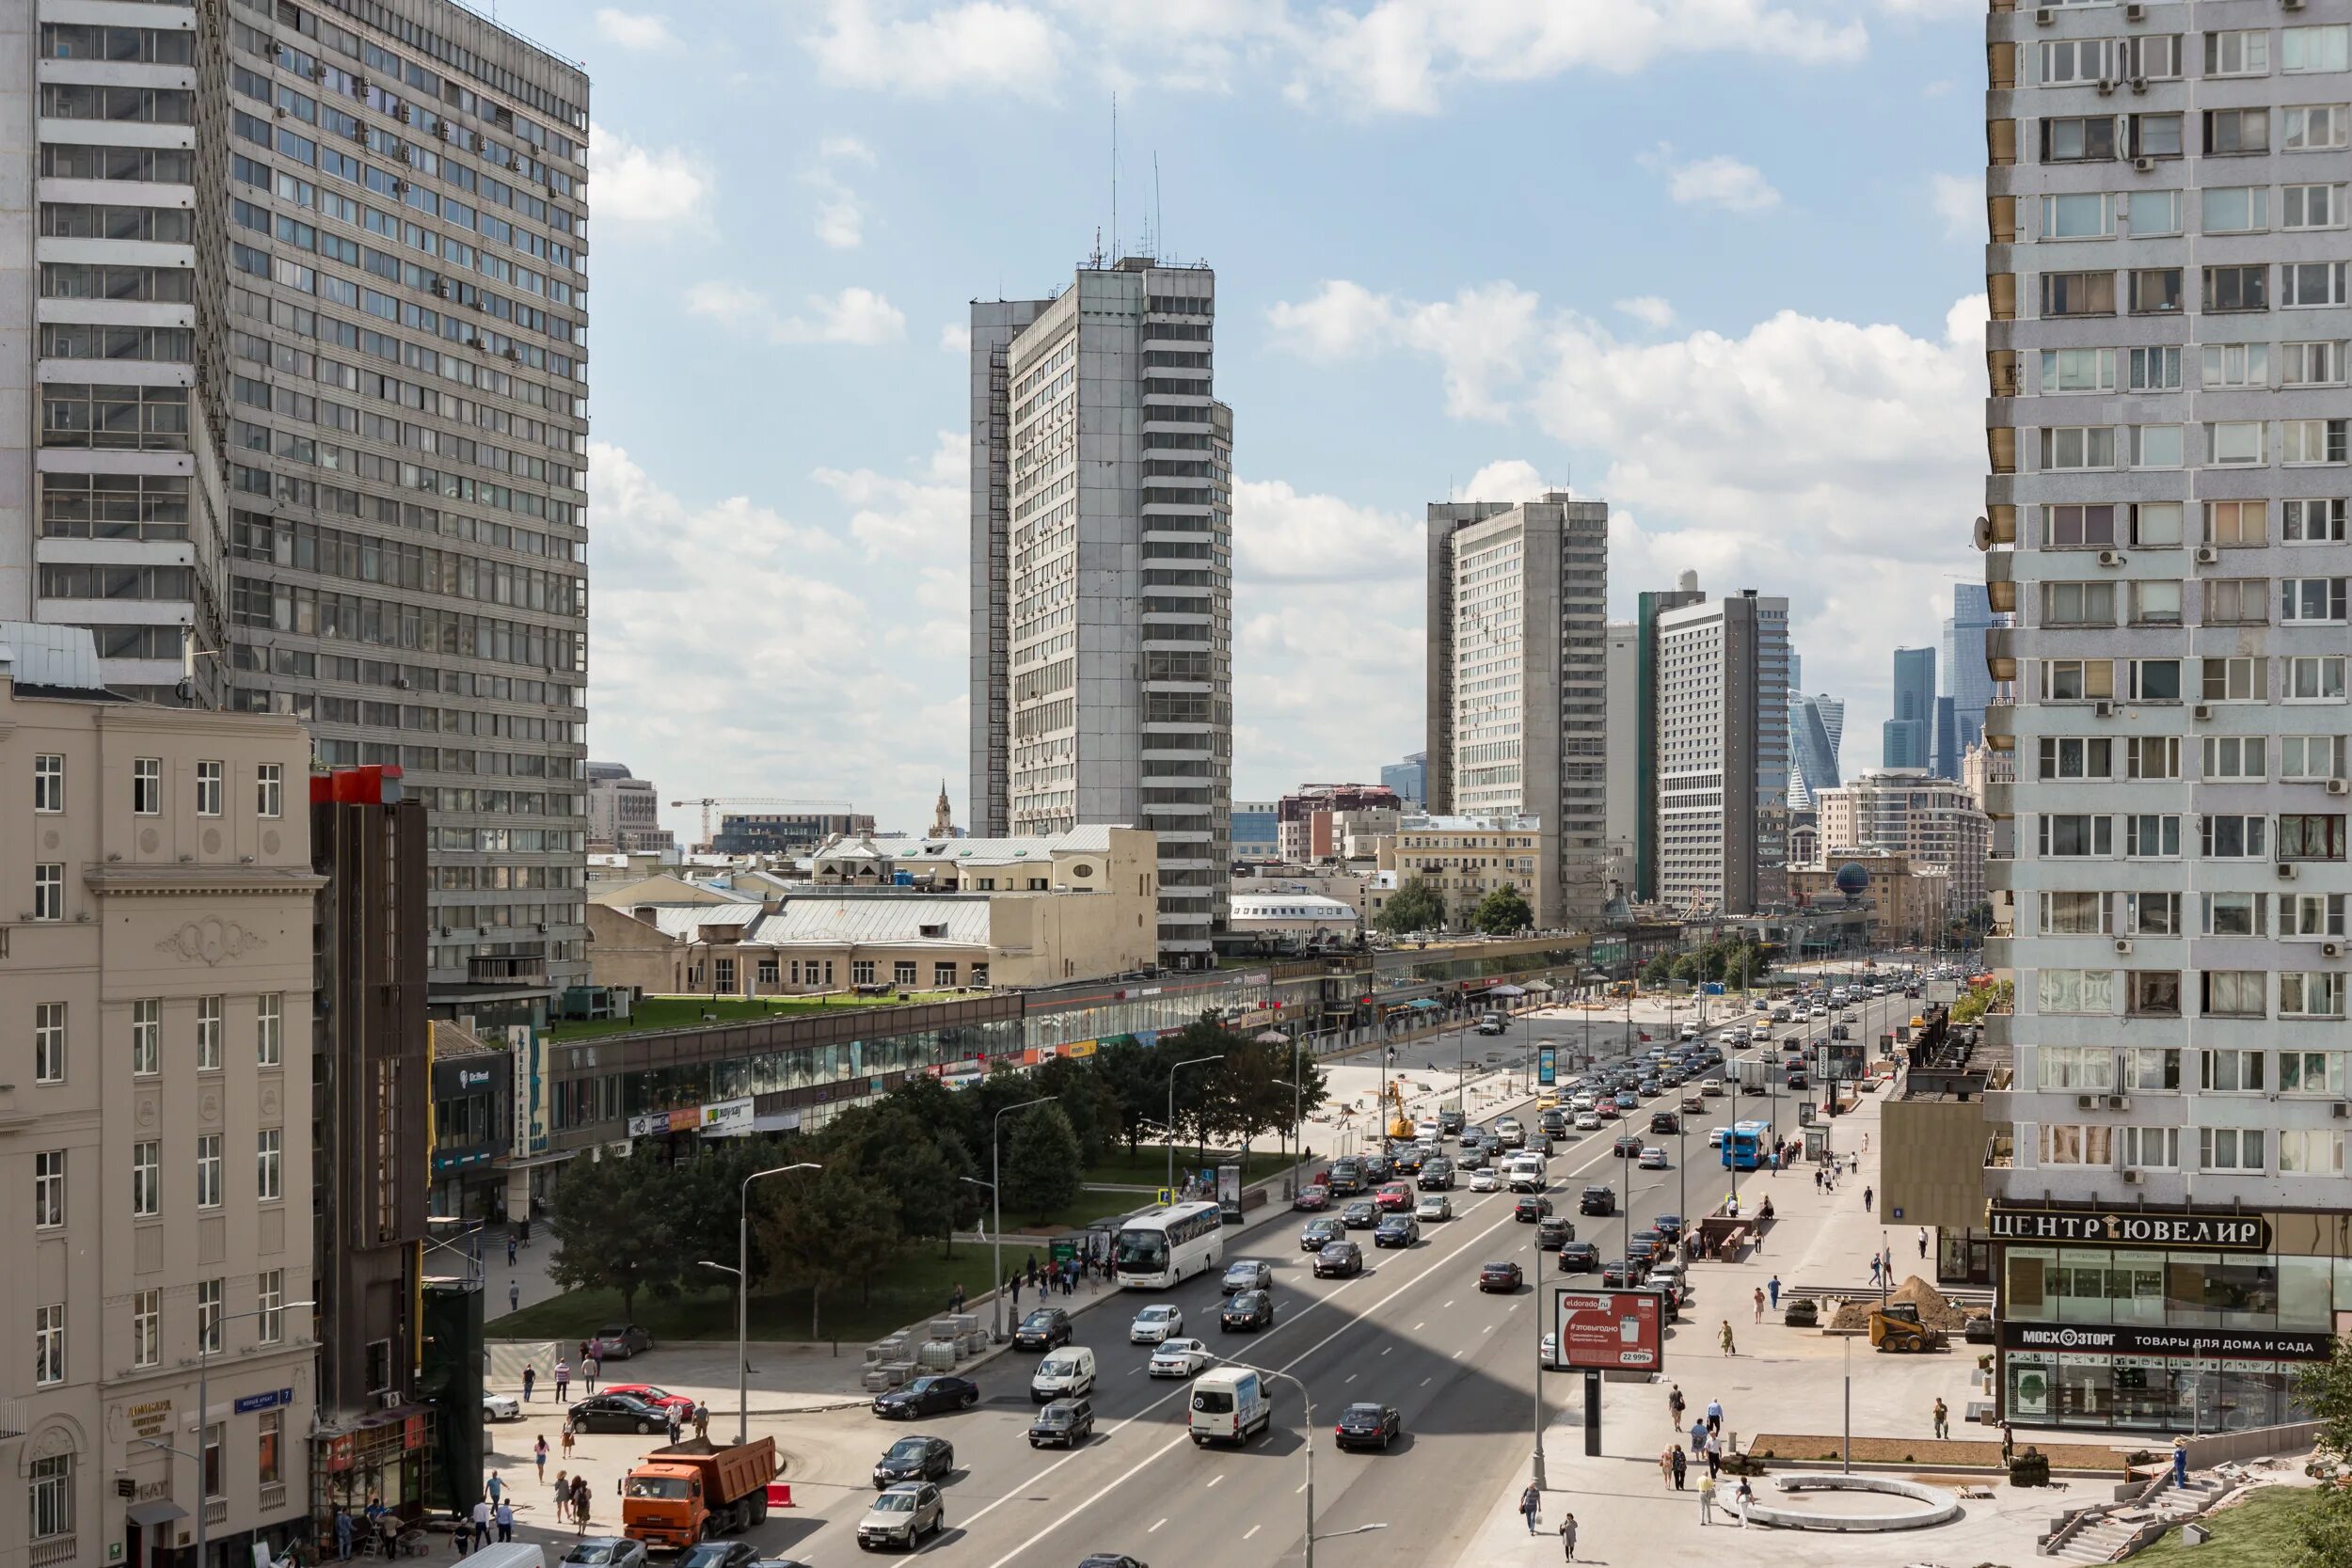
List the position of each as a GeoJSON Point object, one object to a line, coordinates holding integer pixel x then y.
{"type": "Point", "coordinates": [2127, 1526]}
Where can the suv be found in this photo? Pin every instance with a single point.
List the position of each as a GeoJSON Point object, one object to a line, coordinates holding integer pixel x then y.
{"type": "Point", "coordinates": [1437, 1174]}
{"type": "Point", "coordinates": [1598, 1200]}
{"type": "Point", "coordinates": [901, 1516]}
{"type": "Point", "coordinates": [1347, 1177]}
{"type": "Point", "coordinates": [1551, 1233]}
{"type": "Point", "coordinates": [1043, 1329]}
{"type": "Point", "coordinates": [1450, 1123]}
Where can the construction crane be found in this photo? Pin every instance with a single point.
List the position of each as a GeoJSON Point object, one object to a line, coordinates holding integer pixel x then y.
{"type": "Point", "coordinates": [707, 801]}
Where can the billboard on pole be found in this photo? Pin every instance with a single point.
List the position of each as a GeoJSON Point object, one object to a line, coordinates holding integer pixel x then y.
{"type": "Point", "coordinates": [1607, 1329]}
{"type": "Point", "coordinates": [1548, 1064]}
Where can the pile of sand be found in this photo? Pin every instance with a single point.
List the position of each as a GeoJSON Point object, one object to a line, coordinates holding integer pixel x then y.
{"type": "Point", "coordinates": [1934, 1310]}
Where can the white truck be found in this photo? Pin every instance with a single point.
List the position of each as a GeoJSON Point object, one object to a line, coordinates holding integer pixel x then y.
{"type": "Point", "coordinates": [1229, 1405]}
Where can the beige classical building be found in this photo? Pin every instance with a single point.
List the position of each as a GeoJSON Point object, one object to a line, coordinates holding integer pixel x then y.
{"type": "Point", "coordinates": [969, 912]}
{"type": "Point", "coordinates": [1465, 858]}
{"type": "Point", "coordinates": [1295, 920]}
{"type": "Point", "coordinates": [155, 1117]}
{"type": "Point", "coordinates": [1909, 811]}
{"type": "Point", "coordinates": [1905, 901]}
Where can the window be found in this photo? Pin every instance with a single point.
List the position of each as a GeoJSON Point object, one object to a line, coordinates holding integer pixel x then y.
{"type": "Point", "coordinates": [2319, 1073]}
{"type": "Point", "coordinates": [2152, 680]}
{"type": "Point", "coordinates": [49, 1189]}
{"type": "Point", "coordinates": [2078, 293]}
{"type": "Point", "coordinates": [722, 973]}
{"type": "Point", "coordinates": [2237, 131]}
{"type": "Point", "coordinates": [2237, 365]}
{"type": "Point", "coordinates": [50, 1505]}
{"type": "Point", "coordinates": [2084, 991]}
{"type": "Point", "coordinates": [2311, 285]}
{"type": "Point", "coordinates": [207, 1170]}
{"type": "Point", "coordinates": [2079, 604]}
{"type": "Point", "coordinates": [208, 1021]}
{"type": "Point", "coordinates": [2155, 290]}
{"type": "Point", "coordinates": [2233, 1071]}
{"type": "Point", "coordinates": [2154, 213]}
{"type": "Point", "coordinates": [147, 1328]}
{"type": "Point", "coordinates": [268, 1469]}
{"type": "Point", "coordinates": [2154, 135]}
{"type": "Point", "coordinates": [2082, 216]}
{"type": "Point", "coordinates": [2311, 1153]}
{"type": "Point", "coordinates": [2236, 209]}
{"type": "Point", "coordinates": [2232, 680]}
{"type": "Point", "coordinates": [2078, 369]}
{"type": "Point", "coordinates": [2315, 127]}
{"type": "Point", "coordinates": [902, 972]}
{"type": "Point", "coordinates": [770, 971]}
{"type": "Point", "coordinates": [269, 789]}
{"type": "Point", "coordinates": [2079, 527]}
{"type": "Point", "coordinates": [2150, 836]}
{"type": "Point", "coordinates": [2237, 600]}
{"type": "Point", "coordinates": [942, 975]}
{"type": "Point", "coordinates": [2154, 994]}
{"type": "Point", "coordinates": [2151, 1147]}
{"type": "Point", "coordinates": [2154, 370]}
{"type": "Point", "coordinates": [48, 891]}
{"type": "Point", "coordinates": [2155, 601]}
{"type": "Point", "coordinates": [2238, 54]}
{"type": "Point", "coordinates": [2228, 523]}
{"type": "Point", "coordinates": [2315, 679]}
{"type": "Point", "coordinates": [2228, 836]}
{"type": "Point", "coordinates": [147, 1038]}
{"type": "Point", "coordinates": [49, 1042]}
{"type": "Point", "coordinates": [270, 1305]}
{"type": "Point", "coordinates": [2310, 48]}
{"type": "Point", "coordinates": [2153, 1067]}
{"type": "Point", "coordinates": [2074, 914]}
{"type": "Point", "coordinates": [2318, 364]}
{"type": "Point", "coordinates": [2314, 995]}
{"type": "Point", "coordinates": [979, 974]}
{"type": "Point", "coordinates": [2073, 757]}
{"type": "Point", "coordinates": [269, 1028]}
{"type": "Point", "coordinates": [146, 787]}
{"type": "Point", "coordinates": [209, 1294]}
{"type": "Point", "coordinates": [2079, 139]}
{"type": "Point", "coordinates": [2235, 757]}
{"type": "Point", "coordinates": [2312, 207]}
{"type": "Point", "coordinates": [2077, 680]}
{"type": "Point", "coordinates": [2226, 1148]}
{"type": "Point", "coordinates": [48, 783]}
{"type": "Point", "coordinates": [2309, 599]}
{"type": "Point", "coordinates": [2063, 1145]}
{"type": "Point", "coordinates": [861, 972]}
{"type": "Point", "coordinates": [2152, 914]}
{"type": "Point", "coordinates": [265, 1164]}
{"type": "Point", "coordinates": [49, 1344]}
{"type": "Point", "coordinates": [2065, 837]}
{"type": "Point", "coordinates": [2233, 994]}
{"type": "Point", "coordinates": [2310, 836]}
{"type": "Point", "coordinates": [2155, 446]}
{"type": "Point", "coordinates": [2237, 443]}
{"type": "Point", "coordinates": [147, 1180]}
{"type": "Point", "coordinates": [2152, 757]}
{"type": "Point", "coordinates": [208, 788]}
{"type": "Point", "coordinates": [2073, 60]}
{"type": "Point", "coordinates": [2311, 756]}
{"type": "Point", "coordinates": [216, 1442]}
{"type": "Point", "coordinates": [2078, 1066]}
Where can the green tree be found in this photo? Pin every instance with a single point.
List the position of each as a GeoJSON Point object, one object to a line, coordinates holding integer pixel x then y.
{"type": "Point", "coordinates": [1503, 911]}
{"type": "Point", "coordinates": [1659, 970]}
{"type": "Point", "coordinates": [1125, 1069]}
{"type": "Point", "coordinates": [1998, 997]}
{"type": "Point", "coordinates": [1085, 1098]}
{"type": "Point", "coordinates": [616, 1224]}
{"type": "Point", "coordinates": [825, 1229]}
{"type": "Point", "coordinates": [1042, 1170]}
{"type": "Point", "coordinates": [2323, 1531]}
{"type": "Point", "coordinates": [1416, 907]}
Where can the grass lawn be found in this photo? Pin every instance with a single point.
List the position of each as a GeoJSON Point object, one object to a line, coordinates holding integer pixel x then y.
{"type": "Point", "coordinates": [2256, 1533]}
{"type": "Point", "coordinates": [1148, 1166]}
{"type": "Point", "coordinates": [682, 1012]}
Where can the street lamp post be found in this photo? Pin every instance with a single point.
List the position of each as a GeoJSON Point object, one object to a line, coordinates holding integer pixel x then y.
{"type": "Point", "coordinates": [1193, 1061]}
{"type": "Point", "coordinates": [1535, 1464]}
{"type": "Point", "coordinates": [996, 1196]}
{"type": "Point", "coordinates": [203, 1412]}
{"type": "Point", "coordinates": [743, 1297]}
{"type": "Point", "coordinates": [1307, 1403]}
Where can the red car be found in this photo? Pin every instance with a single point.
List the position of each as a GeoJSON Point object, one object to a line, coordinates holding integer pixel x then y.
{"type": "Point", "coordinates": [1396, 1195]}
{"type": "Point", "coordinates": [1312, 1199]}
{"type": "Point", "coordinates": [651, 1395]}
{"type": "Point", "coordinates": [1607, 1110]}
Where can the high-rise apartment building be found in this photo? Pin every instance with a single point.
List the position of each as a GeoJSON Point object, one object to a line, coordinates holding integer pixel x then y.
{"type": "Point", "coordinates": [1967, 680]}
{"type": "Point", "coordinates": [1624, 753]}
{"type": "Point", "coordinates": [2166, 516]}
{"type": "Point", "coordinates": [1636, 688]}
{"type": "Point", "coordinates": [1517, 709]}
{"type": "Point", "coordinates": [1910, 812]}
{"type": "Point", "coordinates": [1908, 738]}
{"type": "Point", "coordinates": [1101, 576]}
{"type": "Point", "coordinates": [1313, 822]}
{"type": "Point", "coordinates": [307, 280]}
{"type": "Point", "coordinates": [1722, 756]}
{"type": "Point", "coordinates": [624, 812]}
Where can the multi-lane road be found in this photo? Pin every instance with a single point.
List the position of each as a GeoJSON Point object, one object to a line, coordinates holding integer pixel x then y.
{"type": "Point", "coordinates": [1413, 1331]}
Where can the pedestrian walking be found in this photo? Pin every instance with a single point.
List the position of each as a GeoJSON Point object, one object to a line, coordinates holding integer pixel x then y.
{"type": "Point", "coordinates": [1666, 1463]}
{"type": "Point", "coordinates": [589, 1368]}
{"type": "Point", "coordinates": [1866, 1142]}
{"type": "Point", "coordinates": [1817, 1178]}
{"type": "Point", "coordinates": [1016, 1289]}
{"type": "Point", "coordinates": [670, 1415]}
{"type": "Point", "coordinates": [562, 1494]}
{"type": "Point", "coordinates": [1033, 1271]}
{"type": "Point", "coordinates": [1743, 1498]}
{"type": "Point", "coordinates": [2008, 1443]}
{"type": "Point", "coordinates": [531, 1376]}
{"type": "Point", "coordinates": [1865, 1199]}
{"type": "Point", "coordinates": [1874, 1268]}
{"type": "Point", "coordinates": [504, 1514]}
{"type": "Point", "coordinates": [513, 1296]}
{"type": "Point", "coordinates": [1682, 1465]}
{"type": "Point", "coordinates": [1943, 1419]}
{"type": "Point", "coordinates": [702, 1421]}
{"type": "Point", "coordinates": [343, 1533]}
{"type": "Point", "coordinates": [1714, 1417]}
{"type": "Point", "coordinates": [495, 1487]}
{"type": "Point", "coordinates": [955, 1301]}
{"type": "Point", "coordinates": [1759, 1304]}
{"type": "Point", "coordinates": [1707, 1499]}
{"type": "Point", "coordinates": [580, 1501]}
{"type": "Point", "coordinates": [567, 1442]}
{"type": "Point", "coordinates": [563, 1379]}
{"type": "Point", "coordinates": [482, 1524]}
{"type": "Point", "coordinates": [1772, 1287]}
{"type": "Point", "coordinates": [1698, 1436]}
{"type": "Point", "coordinates": [510, 1249]}
{"type": "Point", "coordinates": [1531, 1506]}
{"type": "Point", "coordinates": [1715, 1453]}
{"type": "Point", "coordinates": [1567, 1537]}
{"type": "Point", "coordinates": [1675, 1406]}
{"type": "Point", "coordinates": [539, 1454]}
{"type": "Point", "coordinates": [1725, 1337]}
{"type": "Point", "coordinates": [1923, 1241]}
{"type": "Point", "coordinates": [2180, 1462]}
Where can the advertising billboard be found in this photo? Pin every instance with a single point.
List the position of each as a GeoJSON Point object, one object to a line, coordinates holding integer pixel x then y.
{"type": "Point", "coordinates": [1607, 1329]}
{"type": "Point", "coordinates": [1548, 1064]}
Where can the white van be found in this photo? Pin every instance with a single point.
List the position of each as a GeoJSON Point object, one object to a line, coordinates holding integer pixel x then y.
{"type": "Point", "coordinates": [1067, 1374]}
{"type": "Point", "coordinates": [1690, 1030]}
{"type": "Point", "coordinates": [1524, 1173]}
{"type": "Point", "coordinates": [1229, 1405]}
{"type": "Point", "coordinates": [509, 1554]}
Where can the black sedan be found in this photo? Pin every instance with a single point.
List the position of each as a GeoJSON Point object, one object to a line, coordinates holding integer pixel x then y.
{"type": "Point", "coordinates": [1501, 1276]}
{"type": "Point", "coordinates": [927, 1396]}
{"type": "Point", "coordinates": [1621, 1271]}
{"type": "Point", "coordinates": [1112, 1560]}
{"type": "Point", "coordinates": [914, 1459]}
{"type": "Point", "coordinates": [1251, 1310]}
{"type": "Point", "coordinates": [614, 1413]}
{"type": "Point", "coordinates": [1367, 1426]}
{"type": "Point", "coordinates": [1627, 1147]}
{"type": "Point", "coordinates": [1363, 1214]}
{"type": "Point", "coordinates": [717, 1554]}
{"type": "Point", "coordinates": [1342, 1259]}
{"type": "Point", "coordinates": [1043, 1329]}
{"type": "Point", "coordinates": [1319, 1234]}
{"type": "Point", "coordinates": [1579, 1257]}
{"type": "Point", "coordinates": [1669, 1225]}
{"type": "Point", "coordinates": [1530, 1206]}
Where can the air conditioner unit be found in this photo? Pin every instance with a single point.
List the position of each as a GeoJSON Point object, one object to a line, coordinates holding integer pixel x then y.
{"type": "Point", "coordinates": [2331, 950]}
{"type": "Point", "coordinates": [2207, 555]}
{"type": "Point", "coordinates": [2110, 557]}
{"type": "Point", "coordinates": [392, 1398]}
{"type": "Point", "coordinates": [2143, 164]}
{"type": "Point", "coordinates": [2131, 1177]}
{"type": "Point", "coordinates": [2122, 944]}
{"type": "Point", "coordinates": [2102, 710]}
{"type": "Point", "coordinates": [2340, 1111]}
{"type": "Point", "coordinates": [2135, 12]}
{"type": "Point", "coordinates": [2286, 871]}
{"type": "Point", "coordinates": [2045, 16]}
{"type": "Point", "coordinates": [2106, 87]}
{"type": "Point", "coordinates": [2202, 710]}
{"type": "Point", "coordinates": [2118, 1102]}
{"type": "Point", "coordinates": [2290, 4]}
{"type": "Point", "coordinates": [2339, 786]}
{"type": "Point", "coordinates": [2139, 84]}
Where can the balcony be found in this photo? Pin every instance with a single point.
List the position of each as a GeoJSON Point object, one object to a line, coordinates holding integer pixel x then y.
{"type": "Point", "coordinates": [2000, 652]}
{"type": "Point", "coordinates": [2000, 1152]}
{"type": "Point", "coordinates": [54, 1552]}
{"type": "Point", "coordinates": [507, 969]}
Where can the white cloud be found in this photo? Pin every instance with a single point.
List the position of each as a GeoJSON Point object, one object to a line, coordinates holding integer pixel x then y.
{"type": "Point", "coordinates": [848, 148]}
{"type": "Point", "coordinates": [924, 520]}
{"type": "Point", "coordinates": [1399, 56]}
{"type": "Point", "coordinates": [1717, 181]}
{"type": "Point", "coordinates": [1478, 336]}
{"type": "Point", "coordinates": [955, 337]}
{"type": "Point", "coordinates": [1510, 479]}
{"type": "Point", "coordinates": [630, 31]}
{"type": "Point", "coordinates": [1650, 310]}
{"type": "Point", "coordinates": [1959, 200]}
{"type": "Point", "coordinates": [1283, 536]}
{"type": "Point", "coordinates": [854, 316]}
{"type": "Point", "coordinates": [655, 186]}
{"type": "Point", "coordinates": [841, 214]}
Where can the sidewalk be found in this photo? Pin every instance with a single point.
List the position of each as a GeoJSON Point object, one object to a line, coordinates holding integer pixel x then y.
{"type": "Point", "coordinates": [1782, 1379]}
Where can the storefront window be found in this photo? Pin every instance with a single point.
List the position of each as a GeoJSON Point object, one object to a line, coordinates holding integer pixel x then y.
{"type": "Point", "coordinates": [2304, 1296]}
{"type": "Point", "coordinates": [2029, 1268]}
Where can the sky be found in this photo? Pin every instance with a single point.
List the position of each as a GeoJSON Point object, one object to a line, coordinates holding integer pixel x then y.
{"type": "Point", "coordinates": [1717, 262]}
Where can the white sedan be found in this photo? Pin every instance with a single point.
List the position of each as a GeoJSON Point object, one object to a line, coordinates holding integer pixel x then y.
{"type": "Point", "coordinates": [1154, 1325]}
{"type": "Point", "coordinates": [1652, 1158]}
{"type": "Point", "coordinates": [1435, 1206]}
{"type": "Point", "coordinates": [500, 1408]}
{"type": "Point", "coordinates": [1484, 1180]}
{"type": "Point", "coordinates": [1179, 1359]}
{"type": "Point", "coordinates": [1588, 1121]}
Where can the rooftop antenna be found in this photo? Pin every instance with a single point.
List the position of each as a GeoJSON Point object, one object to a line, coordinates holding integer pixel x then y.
{"type": "Point", "coordinates": [1159, 233]}
{"type": "Point", "coordinates": [1114, 175]}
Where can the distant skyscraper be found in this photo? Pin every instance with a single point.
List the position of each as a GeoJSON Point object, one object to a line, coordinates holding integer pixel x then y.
{"type": "Point", "coordinates": [1813, 726]}
{"type": "Point", "coordinates": [1967, 680]}
{"type": "Point", "coordinates": [1409, 779]}
{"type": "Point", "coordinates": [1101, 597]}
{"type": "Point", "coordinates": [1908, 739]}
{"type": "Point", "coordinates": [1722, 754]}
{"type": "Point", "coordinates": [1638, 664]}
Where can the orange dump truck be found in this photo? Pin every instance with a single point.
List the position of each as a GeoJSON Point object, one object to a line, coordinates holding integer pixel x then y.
{"type": "Point", "coordinates": [676, 1495]}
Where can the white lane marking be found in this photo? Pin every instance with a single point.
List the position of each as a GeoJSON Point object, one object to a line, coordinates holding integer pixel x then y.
{"type": "Point", "coordinates": [1448, 1306]}
{"type": "Point", "coordinates": [1154, 1529]}
{"type": "Point", "coordinates": [1385, 1349]}
{"type": "Point", "coordinates": [1252, 1531]}
{"type": "Point", "coordinates": [1514, 1306]}
{"type": "Point", "coordinates": [1457, 1355]}
{"type": "Point", "coordinates": [1417, 1328]}
{"type": "Point", "coordinates": [1215, 1478]}
{"type": "Point", "coordinates": [1424, 1383]}
{"type": "Point", "coordinates": [1351, 1377]}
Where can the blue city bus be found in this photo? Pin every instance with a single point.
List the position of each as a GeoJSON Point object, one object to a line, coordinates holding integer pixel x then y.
{"type": "Point", "coordinates": [1745, 1145]}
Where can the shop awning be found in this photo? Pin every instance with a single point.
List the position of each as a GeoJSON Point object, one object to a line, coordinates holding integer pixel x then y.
{"type": "Point", "coordinates": [156, 1511]}
{"type": "Point", "coordinates": [1422, 1002]}
{"type": "Point", "coordinates": [1506, 990]}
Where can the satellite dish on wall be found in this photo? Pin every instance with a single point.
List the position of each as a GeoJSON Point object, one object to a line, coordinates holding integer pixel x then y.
{"type": "Point", "coordinates": [1984, 534]}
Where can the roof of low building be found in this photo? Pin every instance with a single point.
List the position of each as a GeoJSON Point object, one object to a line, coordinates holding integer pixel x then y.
{"type": "Point", "coordinates": [1290, 906]}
